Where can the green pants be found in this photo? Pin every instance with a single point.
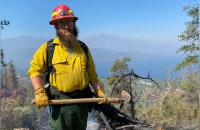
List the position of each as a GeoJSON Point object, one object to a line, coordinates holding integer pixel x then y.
{"type": "Point", "coordinates": [68, 117]}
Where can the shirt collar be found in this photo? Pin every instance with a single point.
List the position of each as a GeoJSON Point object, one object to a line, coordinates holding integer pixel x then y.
{"type": "Point", "coordinates": [56, 41]}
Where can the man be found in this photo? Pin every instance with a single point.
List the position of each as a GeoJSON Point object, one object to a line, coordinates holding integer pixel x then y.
{"type": "Point", "coordinates": [74, 70]}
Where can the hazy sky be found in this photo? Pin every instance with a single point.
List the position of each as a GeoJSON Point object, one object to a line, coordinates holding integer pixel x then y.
{"type": "Point", "coordinates": [143, 19]}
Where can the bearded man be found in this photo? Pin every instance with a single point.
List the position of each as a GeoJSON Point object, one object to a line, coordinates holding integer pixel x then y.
{"type": "Point", "coordinates": [70, 70]}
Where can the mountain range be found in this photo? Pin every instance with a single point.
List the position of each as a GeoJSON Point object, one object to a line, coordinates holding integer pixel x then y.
{"type": "Point", "coordinates": [158, 58]}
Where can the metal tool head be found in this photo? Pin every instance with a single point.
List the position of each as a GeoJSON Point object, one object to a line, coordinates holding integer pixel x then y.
{"type": "Point", "coordinates": [125, 95]}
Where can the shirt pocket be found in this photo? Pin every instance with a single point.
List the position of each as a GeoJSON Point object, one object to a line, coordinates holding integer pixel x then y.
{"type": "Point", "coordinates": [61, 65]}
{"type": "Point", "coordinates": [63, 77]}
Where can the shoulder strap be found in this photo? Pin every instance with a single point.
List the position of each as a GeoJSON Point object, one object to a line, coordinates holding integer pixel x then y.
{"type": "Point", "coordinates": [49, 51]}
{"type": "Point", "coordinates": [84, 47]}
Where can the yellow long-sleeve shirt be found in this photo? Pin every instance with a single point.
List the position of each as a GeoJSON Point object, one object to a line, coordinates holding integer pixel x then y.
{"type": "Point", "coordinates": [72, 72]}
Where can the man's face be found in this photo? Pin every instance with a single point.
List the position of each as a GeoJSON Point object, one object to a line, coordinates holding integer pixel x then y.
{"type": "Point", "coordinates": [66, 30]}
{"type": "Point", "coordinates": [66, 25]}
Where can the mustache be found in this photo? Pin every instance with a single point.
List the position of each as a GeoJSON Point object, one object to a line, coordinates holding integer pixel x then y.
{"type": "Point", "coordinates": [74, 31]}
{"type": "Point", "coordinates": [63, 34]}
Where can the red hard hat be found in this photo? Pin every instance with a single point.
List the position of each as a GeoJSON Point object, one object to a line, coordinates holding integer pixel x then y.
{"type": "Point", "coordinates": [62, 12]}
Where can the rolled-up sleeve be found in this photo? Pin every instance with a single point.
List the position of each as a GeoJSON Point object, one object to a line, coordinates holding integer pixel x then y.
{"type": "Point", "coordinates": [38, 63]}
{"type": "Point", "coordinates": [93, 77]}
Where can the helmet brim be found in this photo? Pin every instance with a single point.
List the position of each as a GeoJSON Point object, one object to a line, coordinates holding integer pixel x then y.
{"type": "Point", "coordinates": [52, 22]}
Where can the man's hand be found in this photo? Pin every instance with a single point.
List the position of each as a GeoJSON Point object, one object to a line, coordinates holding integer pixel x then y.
{"type": "Point", "coordinates": [100, 93]}
{"type": "Point", "coordinates": [41, 98]}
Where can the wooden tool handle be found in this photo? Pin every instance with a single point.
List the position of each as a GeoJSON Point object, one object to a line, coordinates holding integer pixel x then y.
{"type": "Point", "coordinates": [82, 100]}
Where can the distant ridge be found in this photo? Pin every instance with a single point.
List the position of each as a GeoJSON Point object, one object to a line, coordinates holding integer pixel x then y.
{"type": "Point", "coordinates": [105, 48]}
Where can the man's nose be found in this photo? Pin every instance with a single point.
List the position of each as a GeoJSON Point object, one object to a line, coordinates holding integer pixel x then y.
{"type": "Point", "coordinates": [69, 25]}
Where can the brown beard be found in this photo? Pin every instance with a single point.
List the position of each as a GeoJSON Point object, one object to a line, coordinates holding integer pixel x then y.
{"type": "Point", "coordinates": [68, 38]}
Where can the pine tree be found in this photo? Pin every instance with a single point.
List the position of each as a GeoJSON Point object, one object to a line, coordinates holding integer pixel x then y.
{"type": "Point", "coordinates": [2, 58]}
{"type": "Point", "coordinates": [11, 77]}
{"type": "Point", "coordinates": [191, 37]}
{"type": "Point", "coordinates": [3, 69]}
